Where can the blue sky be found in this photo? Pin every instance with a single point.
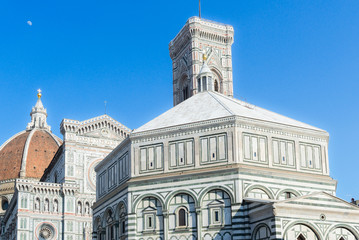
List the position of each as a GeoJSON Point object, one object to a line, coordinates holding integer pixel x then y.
{"type": "Point", "coordinates": [299, 58]}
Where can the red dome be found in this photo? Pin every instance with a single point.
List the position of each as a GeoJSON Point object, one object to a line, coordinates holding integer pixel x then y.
{"type": "Point", "coordinates": [28, 153]}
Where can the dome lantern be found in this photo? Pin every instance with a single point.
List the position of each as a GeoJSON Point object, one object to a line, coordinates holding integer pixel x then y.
{"type": "Point", "coordinates": [38, 115]}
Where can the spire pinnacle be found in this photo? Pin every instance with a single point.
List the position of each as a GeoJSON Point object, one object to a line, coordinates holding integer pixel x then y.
{"type": "Point", "coordinates": [38, 115]}
{"type": "Point", "coordinates": [199, 9]}
{"type": "Point", "coordinates": [39, 93]}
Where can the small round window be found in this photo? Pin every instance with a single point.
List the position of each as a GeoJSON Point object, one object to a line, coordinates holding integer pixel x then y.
{"type": "Point", "coordinates": [46, 232]}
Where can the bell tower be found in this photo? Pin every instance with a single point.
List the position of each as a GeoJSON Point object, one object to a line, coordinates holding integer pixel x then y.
{"type": "Point", "coordinates": [201, 42]}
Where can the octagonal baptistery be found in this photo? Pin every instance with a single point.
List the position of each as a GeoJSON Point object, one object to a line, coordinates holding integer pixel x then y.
{"type": "Point", "coordinates": [27, 154]}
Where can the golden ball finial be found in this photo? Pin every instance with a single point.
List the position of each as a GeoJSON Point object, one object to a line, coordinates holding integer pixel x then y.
{"type": "Point", "coordinates": [204, 57]}
{"type": "Point", "coordinates": [39, 93]}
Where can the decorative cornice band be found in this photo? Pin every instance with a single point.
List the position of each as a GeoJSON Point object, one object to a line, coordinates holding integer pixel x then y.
{"type": "Point", "coordinates": [237, 121]}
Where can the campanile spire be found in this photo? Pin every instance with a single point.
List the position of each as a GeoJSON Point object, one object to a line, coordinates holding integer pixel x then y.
{"type": "Point", "coordinates": [200, 37]}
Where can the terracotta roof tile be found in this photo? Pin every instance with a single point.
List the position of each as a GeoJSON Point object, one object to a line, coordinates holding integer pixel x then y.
{"type": "Point", "coordinates": [41, 150]}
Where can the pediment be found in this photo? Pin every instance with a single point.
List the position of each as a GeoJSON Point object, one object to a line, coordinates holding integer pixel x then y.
{"type": "Point", "coordinates": [149, 209]}
{"type": "Point", "coordinates": [319, 199]}
{"type": "Point", "coordinates": [216, 202]}
{"type": "Point", "coordinates": [103, 133]}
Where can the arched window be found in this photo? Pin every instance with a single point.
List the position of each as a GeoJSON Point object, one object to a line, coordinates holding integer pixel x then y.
{"type": "Point", "coordinates": [122, 220]}
{"type": "Point", "coordinates": [185, 92]}
{"type": "Point", "coordinates": [110, 225]}
{"type": "Point", "coordinates": [216, 88]}
{"type": "Point", "coordinates": [182, 218]}
{"type": "Point", "coordinates": [79, 207]}
{"type": "Point", "coordinates": [4, 204]}
{"type": "Point", "coordinates": [184, 88]}
{"type": "Point", "coordinates": [262, 233]}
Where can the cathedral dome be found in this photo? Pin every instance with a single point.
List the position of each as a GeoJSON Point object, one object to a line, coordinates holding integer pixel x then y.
{"type": "Point", "coordinates": [28, 153]}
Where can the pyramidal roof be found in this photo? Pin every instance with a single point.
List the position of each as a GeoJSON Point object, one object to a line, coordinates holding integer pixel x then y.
{"type": "Point", "coordinates": [212, 105]}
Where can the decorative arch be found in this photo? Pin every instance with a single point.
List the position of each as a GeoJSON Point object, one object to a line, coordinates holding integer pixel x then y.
{"type": "Point", "coordinates": [55, 205]}
{"type": "Point", "coordinates": [258, 228]}
{"type": "Point", "coordinates": [191, 237]}
{"type": "Point", "coordinates": [184, 87]}
{"type": "Point", "coordinates": [347, 227]}
{"type": "Point", "coordinates": [182, 191]}
{"type": "Point", "coordinates": [140, 198]}
{"type": "Point", "coordinates": [118, 209]}
{"type": "Point", "coordinates": [207, 236]}
{"type": "Point", "coordinates": [227, 236]}
{"type": "Point", "coordinates": [208, 189]}
{"type": "Point", "coordinates": [97, 223]}
{"type": "Point", "coordinates": [288, 190]}
{"type": "Point", "coordinates": [108, 211]}
{"type": "Point", "coordinates": [307, 224]}
{"type": "Point", "coordinates": [264, 189]}
{"type": "Point", "coordinates": [219, 77]}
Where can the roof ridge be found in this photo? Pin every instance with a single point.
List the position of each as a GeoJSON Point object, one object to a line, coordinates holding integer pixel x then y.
{"type": "Point", "coordinates": [222, 104]}
{"type": "Point", "coordinates": [25, 152]}
{"type": "Point", "coordinates": [244, 103]}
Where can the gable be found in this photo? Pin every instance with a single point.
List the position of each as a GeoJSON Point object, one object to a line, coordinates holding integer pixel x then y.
{"type": "Point", "coordinates": [319, 200]}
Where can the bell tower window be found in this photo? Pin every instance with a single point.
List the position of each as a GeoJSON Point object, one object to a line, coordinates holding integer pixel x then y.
{"type": "Point", "coordinates": [185, 92]}
{"type": "Point", "coordinates": [184, 88]}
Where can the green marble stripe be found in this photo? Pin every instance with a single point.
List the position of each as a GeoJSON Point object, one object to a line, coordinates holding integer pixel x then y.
{"type": "Point", "coordinates": [241, 234]}
{"type": "Point", "coordinates": [255, 207]}
{"type": "Point", "coordinates": [320, 205]}
{"type": "Point", "coordinates": [194, 177]}
{"type": "Point", "coordinates": [264, 219]}
{"type": "Point", "coordinates": [241, 228]}
{"type": "Point", "coordinates": [240, 217]}
{"type": "Point", "coordinates": [180, 184]}
{"type": "Point", "coordinates": [287, 179]}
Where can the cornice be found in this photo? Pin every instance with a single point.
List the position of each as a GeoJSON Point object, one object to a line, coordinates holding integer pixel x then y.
{"type": "Point", "coordinates": [228, 122]}
{"type": "Point", "coordinates": [87, 140]}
